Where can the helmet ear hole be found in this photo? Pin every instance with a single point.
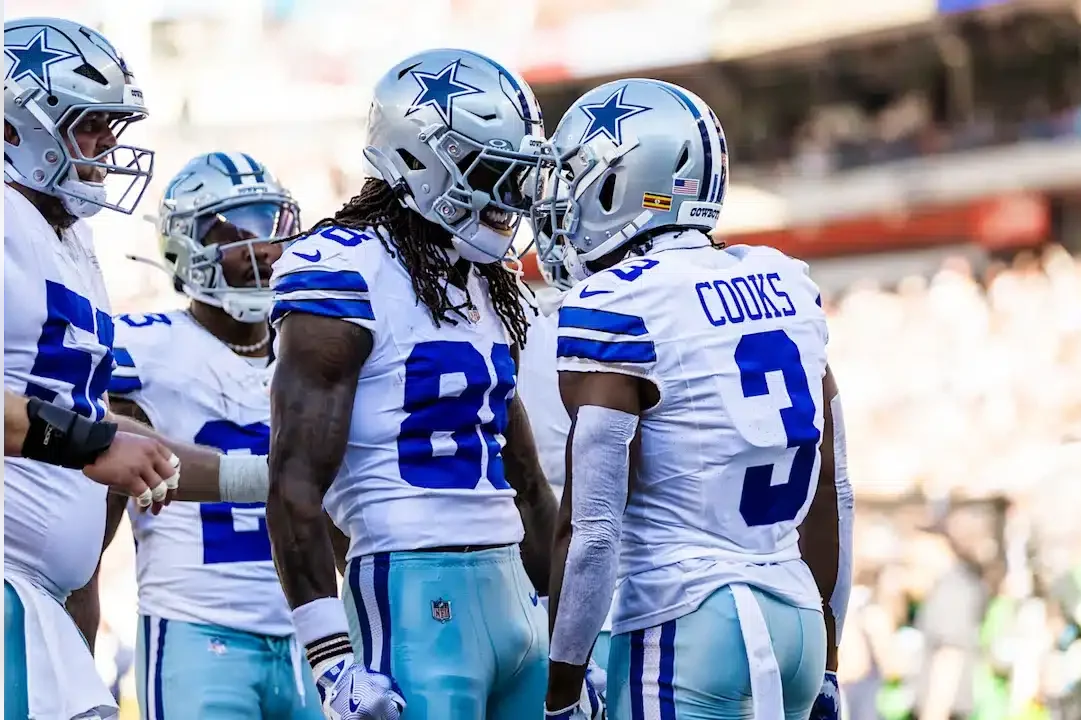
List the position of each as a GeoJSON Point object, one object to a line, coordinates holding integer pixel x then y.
{"type": "Point", "coordinates": [608, 192]}
{"type": "Point", "coordinates": [681, 163]}
{"type": "Point", "coordinates": [410, 160]}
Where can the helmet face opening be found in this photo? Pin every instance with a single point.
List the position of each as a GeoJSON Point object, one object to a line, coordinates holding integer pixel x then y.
{"type": "Point", "coordinates": [265, 220]}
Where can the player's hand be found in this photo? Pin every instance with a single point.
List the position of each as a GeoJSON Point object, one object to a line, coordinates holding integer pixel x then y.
{"type": "Point", "coordinates": [137, 466]}
{"type": "Point", "coordinates": [590, 705]}
{"type": "Point", "coordinates": [828, 703]}
{"type": "Point", "coordinates": [349, 691]}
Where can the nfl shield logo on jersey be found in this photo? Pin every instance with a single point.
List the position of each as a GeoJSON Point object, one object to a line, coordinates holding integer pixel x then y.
{"type": "Point", "coordinates": [441, 610]}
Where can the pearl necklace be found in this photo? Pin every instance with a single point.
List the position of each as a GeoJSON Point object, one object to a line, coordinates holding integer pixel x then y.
{"type": "Point", "coordinates": [238, 349]}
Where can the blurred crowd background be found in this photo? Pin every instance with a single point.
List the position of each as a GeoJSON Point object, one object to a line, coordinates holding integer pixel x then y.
{"type": "Point", "coordinates": [924, 156]}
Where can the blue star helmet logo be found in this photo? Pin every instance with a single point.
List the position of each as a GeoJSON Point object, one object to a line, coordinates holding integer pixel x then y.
{"type": "Point", "coordinates": [438, 90]}
{"type": "Point", "coordinates": [607, 118]}
{"type": "Point", "coordinates": [34, 59]}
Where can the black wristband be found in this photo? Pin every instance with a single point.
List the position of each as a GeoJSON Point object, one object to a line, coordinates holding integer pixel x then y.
{"type": "Point", "coordinates": [63, 437]}
{"type": "Point", "coordinates": [327, 648]}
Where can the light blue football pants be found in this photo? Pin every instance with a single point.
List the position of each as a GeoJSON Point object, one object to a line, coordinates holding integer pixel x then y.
{"type": "Point", "coordinates": [602, 648]}
{"type": "Point", "coordinates": [696, 667]}
{"type": "Point", "coordinates": [186, 671]}
{"type": "Point", "coordinates": [16, 697]}
{"type": "Point", "coordinates": [463, 634]}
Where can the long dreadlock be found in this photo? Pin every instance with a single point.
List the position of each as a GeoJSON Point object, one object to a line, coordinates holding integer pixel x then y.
{"type": "Point", "coordinates": [421, 245]}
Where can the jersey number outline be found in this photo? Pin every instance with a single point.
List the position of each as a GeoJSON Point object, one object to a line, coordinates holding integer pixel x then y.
{"type": "Point", "coordinates": [633, 272]}
{"type": "Point", "coordinates": [222, 541]}
{"type": "Point", "coordinates": [344, 236]}
{"type": "Point", "coordinates": [87, 375]}
{"type": "Point", "coordinates": [762, 503]}
{"type": "Point", "coordinates": [145, 320]}
{"type": "Point", "coordinates": [470, 416]}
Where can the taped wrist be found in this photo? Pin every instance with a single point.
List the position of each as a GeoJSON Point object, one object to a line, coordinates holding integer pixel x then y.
{"type": "Point", "coordinates": [64, 438]}
{"type": "Point", "coordinates": [323, 631]}
{"type": "Point", "coordinates": [243, 478]}
{"type": "Point", "coordinates": [600, 462]}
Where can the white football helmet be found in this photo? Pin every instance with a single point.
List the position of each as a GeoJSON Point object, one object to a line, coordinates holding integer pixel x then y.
{"type": "Point", "coordinates": [58, 74]}
{"type": "Point", "coordinates": [634, 158]}
{"type": "Point", "coordinates": [461, 138]}
{"type": "Point", "coordinates": [232, 191]}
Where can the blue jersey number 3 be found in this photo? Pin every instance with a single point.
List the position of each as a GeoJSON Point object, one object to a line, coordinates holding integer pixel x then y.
{"type": "Point", "coordinates": [454, 412]}
{"type": "Point", "coordinates": [234, 532]}
{"type": "Point", "coordinates": [763, 503]}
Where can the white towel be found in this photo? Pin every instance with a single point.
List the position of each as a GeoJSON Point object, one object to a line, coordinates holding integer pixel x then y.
{"type": "Point", "coordinates": [767, 695]}
{"type": "Point", "coordinates": [63, 682]}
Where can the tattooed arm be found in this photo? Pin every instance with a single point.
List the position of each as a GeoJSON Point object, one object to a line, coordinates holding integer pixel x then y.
{"type": "Point", "coordinates": [535, 500]}
{"type": "Point", "coordinates": [311, 406]}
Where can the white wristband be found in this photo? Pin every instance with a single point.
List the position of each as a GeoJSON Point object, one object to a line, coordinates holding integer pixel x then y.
{"type": "Point", "coordinates": [319, 619]}
{"type": "Point", "coordinates": [243, 478]}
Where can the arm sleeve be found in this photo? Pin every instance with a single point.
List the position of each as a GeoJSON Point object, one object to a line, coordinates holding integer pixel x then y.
{"type": "Point", "coordinates": [318, 275]}
{"type": "Point", "coordinates": [601, 331]}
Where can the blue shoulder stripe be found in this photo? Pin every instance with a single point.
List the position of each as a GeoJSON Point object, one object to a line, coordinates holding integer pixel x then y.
{"type": "Point", "coordinates": [601, 321]}
{"type": "Point", "coordinates": [123, 357]}
{"type": "Point", "coordinates": [328, 280]}
{"type": "Point", "coordinates": [326, 307]}
{"type": "Point", "coordinates": [124, 385]}
{"type": "Point", "coordinates": [630, 351]}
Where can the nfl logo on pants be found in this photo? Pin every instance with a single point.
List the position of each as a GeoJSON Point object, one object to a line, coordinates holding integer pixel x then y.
{"type": "Point", "coordinates": [441, 610]}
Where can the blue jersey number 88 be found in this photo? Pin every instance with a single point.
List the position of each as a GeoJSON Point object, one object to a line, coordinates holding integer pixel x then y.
{"type": "Point", "coordinates": [757, 354]}
{"type": "Point", "coordinates": [454, 410]}
{"type": "Point", "coordinates": [223, 542]}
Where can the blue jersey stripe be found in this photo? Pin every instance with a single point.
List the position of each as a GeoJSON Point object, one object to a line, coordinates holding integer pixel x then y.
{"type": "Point", "coordinates": [327, 307]}
{"type": "Point", "coordinates": [630, 351]}
{"type": "Point", "coordinates": [707, 147]}
{"type": "Point", "coordinates": [119, 385]}
{"type": "Point", "coordinates": [329, 280]}
{"type": "Point", "coordinates": [602, 321]}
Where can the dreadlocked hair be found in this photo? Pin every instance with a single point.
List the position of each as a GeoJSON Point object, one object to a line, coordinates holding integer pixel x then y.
{"type": "Point", "coordinates": [420, 246]}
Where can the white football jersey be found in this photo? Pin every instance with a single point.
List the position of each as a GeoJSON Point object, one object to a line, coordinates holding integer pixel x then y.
{"type": "Point", "coordinates": [735, 341]}
{"type": "Point", "coordinates": [538, 386]}
{"type": "Point", "coordinates": [423, 466]}
{"type": "Point", "coordinates": [206, 563]}
{"type": "Point", "coordinates": [58, 337]}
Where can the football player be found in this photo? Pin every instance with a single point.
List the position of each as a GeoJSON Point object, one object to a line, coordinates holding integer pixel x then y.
{"type": "Point", "coordinates": [394, 398]}
{"type": "Point", "coordinates": [68, 95]}
{"type": "Point", "coordinates": [538, 385]}
{"type": "Point", "coordinates": [538, 382]}
{"type": "Point", "coordinates": [704, 369]}
{"type": "Point", "coordinates": [215, 631]}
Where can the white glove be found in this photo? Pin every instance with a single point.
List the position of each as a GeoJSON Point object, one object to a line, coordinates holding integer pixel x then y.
{"type": "Point", "coordinates": [590, 705]}
{"type": "Point", "coordinates": [348, 691]}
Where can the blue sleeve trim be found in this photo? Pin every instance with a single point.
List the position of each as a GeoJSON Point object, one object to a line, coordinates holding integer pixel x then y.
{"type": "Point", "coordinates": [602, 321]}
{"type": "Point", "coordinates": [630, 351]}
{"type": "Point", "coordinates": [328, 280]}
{"type": "Point", "coordinates": [325, 307]}
{"type": "Point", "coordinates": [120, 385]}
